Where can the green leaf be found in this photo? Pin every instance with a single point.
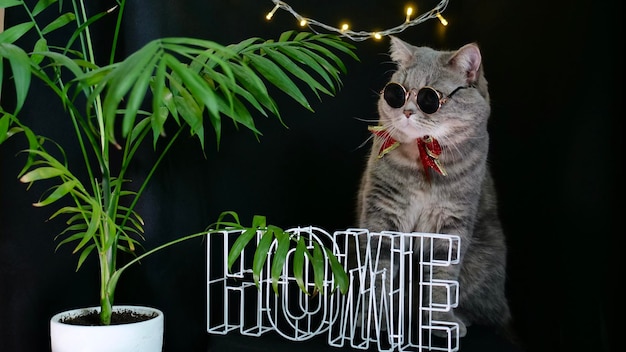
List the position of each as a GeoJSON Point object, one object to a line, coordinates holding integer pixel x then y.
{"type": "Point", "coordinates": [238, 246]}
{"type": "Point", "coordinates": [65, 61]}
{"type": "Point", "coordinates": [170, 103]}
{"type": "Point", "coordinates": [94, 77]}
{"type": "Point", "coordinates": [255, 86]}
{"type": "Point", "coordinates": [49, 159]}
{"type": "Point", "coordinates": [81, 29]}
{"type": "Point", "coordinates": [9, 3]}
{"type": "Point", "coordinates": [221, 224]}
{"type": "Point", "coordinates": [302, 57]}
{"type": "Point", "coordinates": [59, 22]}
{"type": "Point", "coordinates": [121, 79]}
{"type": "Point", "coordinates": [40, 46]}
{"type": "Point", "coordinates": [230, 213]}
{"type": "Point", "coordinates": [200, 90]}
{"type": "Point", "coordinates": [191, 112]}
{"type": "Point", "coordinates": [341, 278]}
{"type": "Point", "coordinates": [259, 222]}
{"type": "Point", "coordinates": [277, 77]}
{"type": "Point", "coordinates": [74, 237]}
{"type": "Point", "coordinates": [5, 121]}
{"type": "Point", "coordinates": [57, 194]}
{"type": "Point", "coordinates": [244, 44]}
{"type": "Point", "coordinates": [300, 36]}
{"type": "Point", "coordinates": [240, 114]}
{"type": "Point", "coordinates": [41, 173]}
{"type": "Point", "coordinates": [298, 264]}
{"type": "Point", "coordinates": [159, 104]}
{"type": "Point", "coordinates": [194, 83]}
{"type": "Point", "coordinates": [33, 143]}
{"type": "Point", "coordinates": [318, 267]}
{"type": "Point", "coordinates": [42, 5]}
{"type": "Point", "coordinates": [137, 96]}
{"type": "Point", "coordinates": [70, 210]}
{"type": "Point", "coordinates": [328, 54]}
{"type": "Point", "coordinates": [260, 255]}
{"type": "Point", "coordinates": [73, 228]}
{"type": "Point", "coordinates": [280, 255]}
{"type": "Point", "coordinates": [286, 35]}
{"type": "Point", "coordinates": [84, 254]}
{"type": "Point", "coordinates": [297, 71]}
{"type": "Point", "coordinates": [340, 45]}
{"type": "Point", "coordinates": [140, 127]}
{"type": "Point", "coordinates": [13, 33]}
{"type": "Point", "coordinates": [91, 230]}
{"type": "Point", "coordinates": [20, 65]}
{"type": "Point", "coordinates": [320, 60]}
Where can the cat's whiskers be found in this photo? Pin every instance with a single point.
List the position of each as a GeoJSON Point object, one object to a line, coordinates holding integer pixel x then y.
{"type": "Point", "coordinates": [366, 120]}
{"type": "Point", "coordinates": [388, 126]}
{"type": "Point", "coordinates": [425, 124]}
{"type": "Point", "coordinates": [450, 146]}
{"type": "Point", "coordinates": [365, 142]}
{"type": "Point", "coordinates": [453, 149]}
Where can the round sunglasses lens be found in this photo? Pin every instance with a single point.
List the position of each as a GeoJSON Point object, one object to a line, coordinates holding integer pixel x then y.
{"type": "Point", "coordinates": [395, 95]}
{"type": "Point", "coordinates": [428, 100]}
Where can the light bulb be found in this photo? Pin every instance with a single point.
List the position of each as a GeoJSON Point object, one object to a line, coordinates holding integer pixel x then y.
{"type": "Point", "coordinates": [409, 12]}
{"type": "Point", "coordinates": [271, 13]}
{"type": "Point", "coordinates": [441, 19]}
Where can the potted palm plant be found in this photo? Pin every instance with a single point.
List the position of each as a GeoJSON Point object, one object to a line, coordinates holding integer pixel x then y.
{"type": "Point", "coordinates": [167, 88]}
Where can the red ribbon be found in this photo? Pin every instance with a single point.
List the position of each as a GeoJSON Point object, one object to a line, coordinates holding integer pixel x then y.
{"type": "Point", "coordinates": [429, 154]}
{"type": "Point", "coordinates": [428, 147]}
{"type": "Point", "coordinates": [389, 143]}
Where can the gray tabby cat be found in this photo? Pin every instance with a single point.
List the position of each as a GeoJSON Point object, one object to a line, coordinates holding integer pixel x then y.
{"type": "Point", "coordinates": [427, 172]}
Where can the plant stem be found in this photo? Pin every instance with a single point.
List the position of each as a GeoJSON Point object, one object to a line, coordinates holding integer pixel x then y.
{"type": "Point", "coordinates": [116, 34]}
{"type": "Point", "coordinates": [144, 184]}
{"type": "Point", "coordinates": [119, 271]}
{"type": "Point", "coordinates": [106, 300]}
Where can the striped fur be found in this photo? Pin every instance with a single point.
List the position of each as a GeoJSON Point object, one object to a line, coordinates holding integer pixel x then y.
{"type": "Point", "coordinates": [395, 194]}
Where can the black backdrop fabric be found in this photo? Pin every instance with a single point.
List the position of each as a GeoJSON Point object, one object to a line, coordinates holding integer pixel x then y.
{"type": "Point", "coordinates": [554, 72]}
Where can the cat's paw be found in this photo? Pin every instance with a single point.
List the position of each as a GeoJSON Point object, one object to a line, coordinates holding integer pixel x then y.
{"type": "Point", "coordinates": [444, 334]}
{"type": "Point", "coordinates": [448, 317]}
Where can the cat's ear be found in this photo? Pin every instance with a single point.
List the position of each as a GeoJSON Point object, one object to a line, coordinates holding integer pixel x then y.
{"type": "Point", "coordinates": [401, 52]}
{"type": "Point", "coordinates": [467, 60]}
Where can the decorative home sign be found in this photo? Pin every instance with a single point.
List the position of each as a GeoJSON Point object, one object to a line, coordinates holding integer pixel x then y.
{"type": "Point", "coordinates": [236, 303]}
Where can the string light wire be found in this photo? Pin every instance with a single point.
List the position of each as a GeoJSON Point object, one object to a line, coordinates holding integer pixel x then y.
{"type": "Point", "coordinates": [358, 36]}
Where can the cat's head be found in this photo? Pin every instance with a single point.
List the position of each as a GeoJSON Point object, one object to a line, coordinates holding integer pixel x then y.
{"type": "Point", "coordinates": [449, 86]}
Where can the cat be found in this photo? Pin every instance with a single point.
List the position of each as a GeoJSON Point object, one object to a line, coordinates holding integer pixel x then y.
{"type": "Point", "coordinates": [428, 172]}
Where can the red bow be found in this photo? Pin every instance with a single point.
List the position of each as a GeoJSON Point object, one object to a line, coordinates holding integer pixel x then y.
{"type": "Point", "coordinates": [389, 143]}
{"type": "Point", "coordinates": [428, 147]}
{"type": "Point", "coordinates": [429, 154]}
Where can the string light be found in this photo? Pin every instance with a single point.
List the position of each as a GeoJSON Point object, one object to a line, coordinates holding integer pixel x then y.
{"type": "Point", "coordinates": [441, 19]}
{"type": "Point", "coordinates": [358, 36]}
{"type": "Point", "coordinates": [271, 13]}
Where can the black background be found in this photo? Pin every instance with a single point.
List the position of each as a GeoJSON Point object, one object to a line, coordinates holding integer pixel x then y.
{"type": "Point", "coordinates": [555, 77]}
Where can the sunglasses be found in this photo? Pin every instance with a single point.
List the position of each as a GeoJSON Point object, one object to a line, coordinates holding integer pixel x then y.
{"type": "Point", "coordinates": [429, 100]}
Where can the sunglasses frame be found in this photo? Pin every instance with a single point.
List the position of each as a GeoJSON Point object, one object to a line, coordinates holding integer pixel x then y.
{"type": "Point", "coordinates": [442, 99]}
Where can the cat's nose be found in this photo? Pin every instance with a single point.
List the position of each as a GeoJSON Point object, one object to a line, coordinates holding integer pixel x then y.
{"type": "Point", "coordinates": [410, 108]}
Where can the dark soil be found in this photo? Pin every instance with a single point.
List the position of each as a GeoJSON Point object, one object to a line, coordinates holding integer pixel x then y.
{"type": "Point", "coordinates": [118, 318]}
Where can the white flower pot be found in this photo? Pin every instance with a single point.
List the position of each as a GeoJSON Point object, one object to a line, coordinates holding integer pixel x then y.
{"type": "Point", "coordinates": [145, 336]}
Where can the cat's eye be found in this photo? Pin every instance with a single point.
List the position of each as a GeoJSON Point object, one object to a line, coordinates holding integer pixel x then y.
{"type": "Point", "coordinates": [429, 100]}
